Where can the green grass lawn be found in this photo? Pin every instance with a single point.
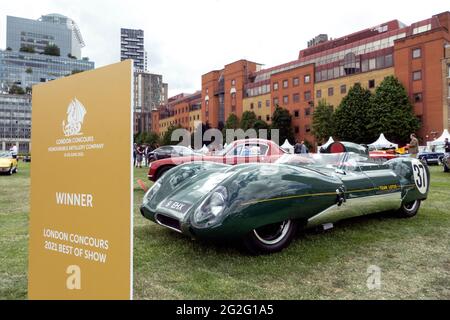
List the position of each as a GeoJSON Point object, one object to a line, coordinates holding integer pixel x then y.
{"type": "Point", "coordinates": [413, 254]}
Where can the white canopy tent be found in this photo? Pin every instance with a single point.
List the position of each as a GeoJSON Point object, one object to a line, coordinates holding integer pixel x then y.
{"type": "Point", "coordinates": [326, 144]}
{"type": "Point", "coordinates": [204, 149]}
{"type": "Point", "coordinates": [287, 147]}
{"type": "Point", "coordinates": [382, 142]}
{"type": "Point", "coordinates": [441, 139]}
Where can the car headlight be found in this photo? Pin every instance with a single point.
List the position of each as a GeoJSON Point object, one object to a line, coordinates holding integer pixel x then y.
{"type": "Point", "coordinates": [149, 195]}
{"type": "Point", "coordinates": [211, 208]}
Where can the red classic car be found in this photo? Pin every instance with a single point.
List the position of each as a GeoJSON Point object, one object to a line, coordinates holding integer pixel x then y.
{"type": "Point", "coordinates": [239, 151]}
{"type": "Point", "coordinates": [382, 155]}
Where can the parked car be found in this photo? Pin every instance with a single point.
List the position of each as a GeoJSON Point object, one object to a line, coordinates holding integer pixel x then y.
{"type": "Point", "coordinates": [382, 155]}
{"type": "Point", "coordinates": [263, 205]}
{"type": "Point", "coordinates": [8, 164]}
{"type": "Point", "coordinates": [446, 162]}
{"type": "Point", "coordinates": [240, 151]}
{"type": "Point", "coordinates": [430, 156]}
{"type": "Point", "coordinates": [165, 152]}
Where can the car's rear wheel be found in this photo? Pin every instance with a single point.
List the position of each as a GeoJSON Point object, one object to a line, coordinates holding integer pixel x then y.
{"type": "Point", "coordinates": [409, 209]}
{"type": "Point", "coordinates": [271, 238]}
{"type": "Point", "coordinates": [162, 171]}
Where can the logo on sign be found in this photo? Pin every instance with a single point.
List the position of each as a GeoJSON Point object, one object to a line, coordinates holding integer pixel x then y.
{"type": "Point", "coordinates": [75, 117]}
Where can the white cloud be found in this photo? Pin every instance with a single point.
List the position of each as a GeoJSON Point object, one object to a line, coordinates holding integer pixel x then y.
{"type": "Point", "coordinates": [187, 38]}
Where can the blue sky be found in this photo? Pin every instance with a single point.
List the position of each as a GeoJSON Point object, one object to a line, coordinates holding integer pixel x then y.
{"type": "Point", "coordinates": [186, 39]}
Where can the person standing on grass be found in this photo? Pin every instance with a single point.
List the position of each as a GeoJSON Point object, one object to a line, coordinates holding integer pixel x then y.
{"type": "Point", "coordinates": [297, 147]}
{"type": "Point", "coordinates": [13, 150]}
{"type": "Point", "coordinates": [134, 154]}
{"type": "Point", "coordinates": [139, 156]}
{"type": "Point", "coordinates": [446, 146]}
{"type": "Point", "coordinates": [304, 149]}
{"type": "Point", "coordinates": [413, 148]}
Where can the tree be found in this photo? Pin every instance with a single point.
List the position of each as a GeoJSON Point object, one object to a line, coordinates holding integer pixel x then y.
{"type": "Point", "coordinates": [248, 120]}
{"type": "Point", "coordinates": [350, 118]}
{"type": "Point", "coordinates": [29, 49]}
{"type": "Point", "coordinates": [282, 120]}
{"type": "Point", "coordinates": [71, 56]}
{"type": "Point", "coordinates": [261, 125]}
{"type": "Point", "coordinates": [52, 50]}
{"type": "Point", "coordinates": [29, 70]}
{"type": "Point", "coordinates": [232, 122]}
{"type": "Point", "coordinates": [167, 137]}
{"type": "Point", "coordinates": [15, 89]}
{"type": "Point", "coordinates": [75, 71]}
{"type": "Point", "coordinates": [391, 112]}
{"type": "Point", "coordinates": [151, 138]}
{"type": "Point", "coordinates": [322, 122]}
{"type": "Point", "coordinates": [9, 49]}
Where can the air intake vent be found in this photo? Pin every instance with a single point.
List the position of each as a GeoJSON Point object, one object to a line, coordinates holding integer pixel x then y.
{"type": "Point", "coordinates": [168, 222]}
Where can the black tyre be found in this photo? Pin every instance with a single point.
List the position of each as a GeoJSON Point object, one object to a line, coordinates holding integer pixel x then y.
{"type": "Point", "coordinates": [162, 171]}
{"type": "Point", "coordinates": [271, 238]}
{"type": "Point", "coordinates": [409, 209]}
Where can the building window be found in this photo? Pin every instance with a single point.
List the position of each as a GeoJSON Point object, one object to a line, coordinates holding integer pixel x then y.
{"type": "Point", "coordinates": [343, 89]}
{"type": "Point", "coordinates": [307, 111]}
{"type": "Point", "coordinates": [259, 117]}
{"type": "Point", "coordinates": [295, 81]}
{"type": "Point", "coordinates": [416, 53]}
{"type": "Point", "coordinates": [371, 84]}
{"type": "Point", "coordinates": [275, 86]}
{"type": "Point", "coordinates": [233, 99]}
{"type": "Point", "coordinates": [448, 71]}
{"type": "Point", "coordinates": [417, 75]}
{"type": "Point", "coordinates": [296, 129]}
{"type": "Point", "coordinates": [307, 95]}
{"type": "Point", "coordinates": [319, 93]}
{"type": "Point", "coordinates": [233, 83]}
{"type": "Point", "coordinates": [296, 113]}
{"type": "Point", "coordinates": [267, 103]}
{"type": "Point", "coordinates": [275, 101]}
{"type": "Point", "coordinates": [259, 104]}
{"type": "Point", "coordinates": [285, 83]}
{"type": "Point", "coordinates": [417, 97]}
{"type": "Point", "coordinates": [307, 79]}
{"type": "Point", "coordinates": [296, 97]}
{"type": "Point", "coordinates": [307, 128]}
{"type": "Point", "coordinates": [330, 91]}
{"type": "Point", "coordinates": [251, 105]}
{"type": "Point", "coordinates": [285, 99]}
{"type": "Point", "coordinates": [267, 117]}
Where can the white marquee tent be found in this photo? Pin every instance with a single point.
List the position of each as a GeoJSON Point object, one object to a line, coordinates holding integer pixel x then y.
{"type": "Point", "coordinates": [287, 147]}
{"type": "Point", "coordinates": [382, 142]}
{"type": "Point", "coordinates": [326, 144]}
{"type": "Point", "coordinates": [441, 139]}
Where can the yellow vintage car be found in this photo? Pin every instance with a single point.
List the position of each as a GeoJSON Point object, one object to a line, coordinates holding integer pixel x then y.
{"type": "Point", "coordinates": [7, 163]}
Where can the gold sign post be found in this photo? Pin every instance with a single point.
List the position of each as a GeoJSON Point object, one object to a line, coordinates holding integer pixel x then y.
{"type": "Point", "coordinates": [81, 186]}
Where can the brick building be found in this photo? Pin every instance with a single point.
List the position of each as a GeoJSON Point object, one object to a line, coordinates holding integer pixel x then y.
{"type": "Point", "coordinates": [417, 54]}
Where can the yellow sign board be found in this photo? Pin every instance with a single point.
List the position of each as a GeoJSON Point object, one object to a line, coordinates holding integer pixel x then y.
{"type": "Point", "coordinates": [81, 186]}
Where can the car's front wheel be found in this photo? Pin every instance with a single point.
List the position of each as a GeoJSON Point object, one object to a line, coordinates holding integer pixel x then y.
{"type": "Point", "coordinates": [271, 238]}
{"type": "Point", "coordinates": [409, 209]}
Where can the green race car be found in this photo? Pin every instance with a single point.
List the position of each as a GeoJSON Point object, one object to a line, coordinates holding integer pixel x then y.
{"type": "Point", "coordinates": [265, 204]}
